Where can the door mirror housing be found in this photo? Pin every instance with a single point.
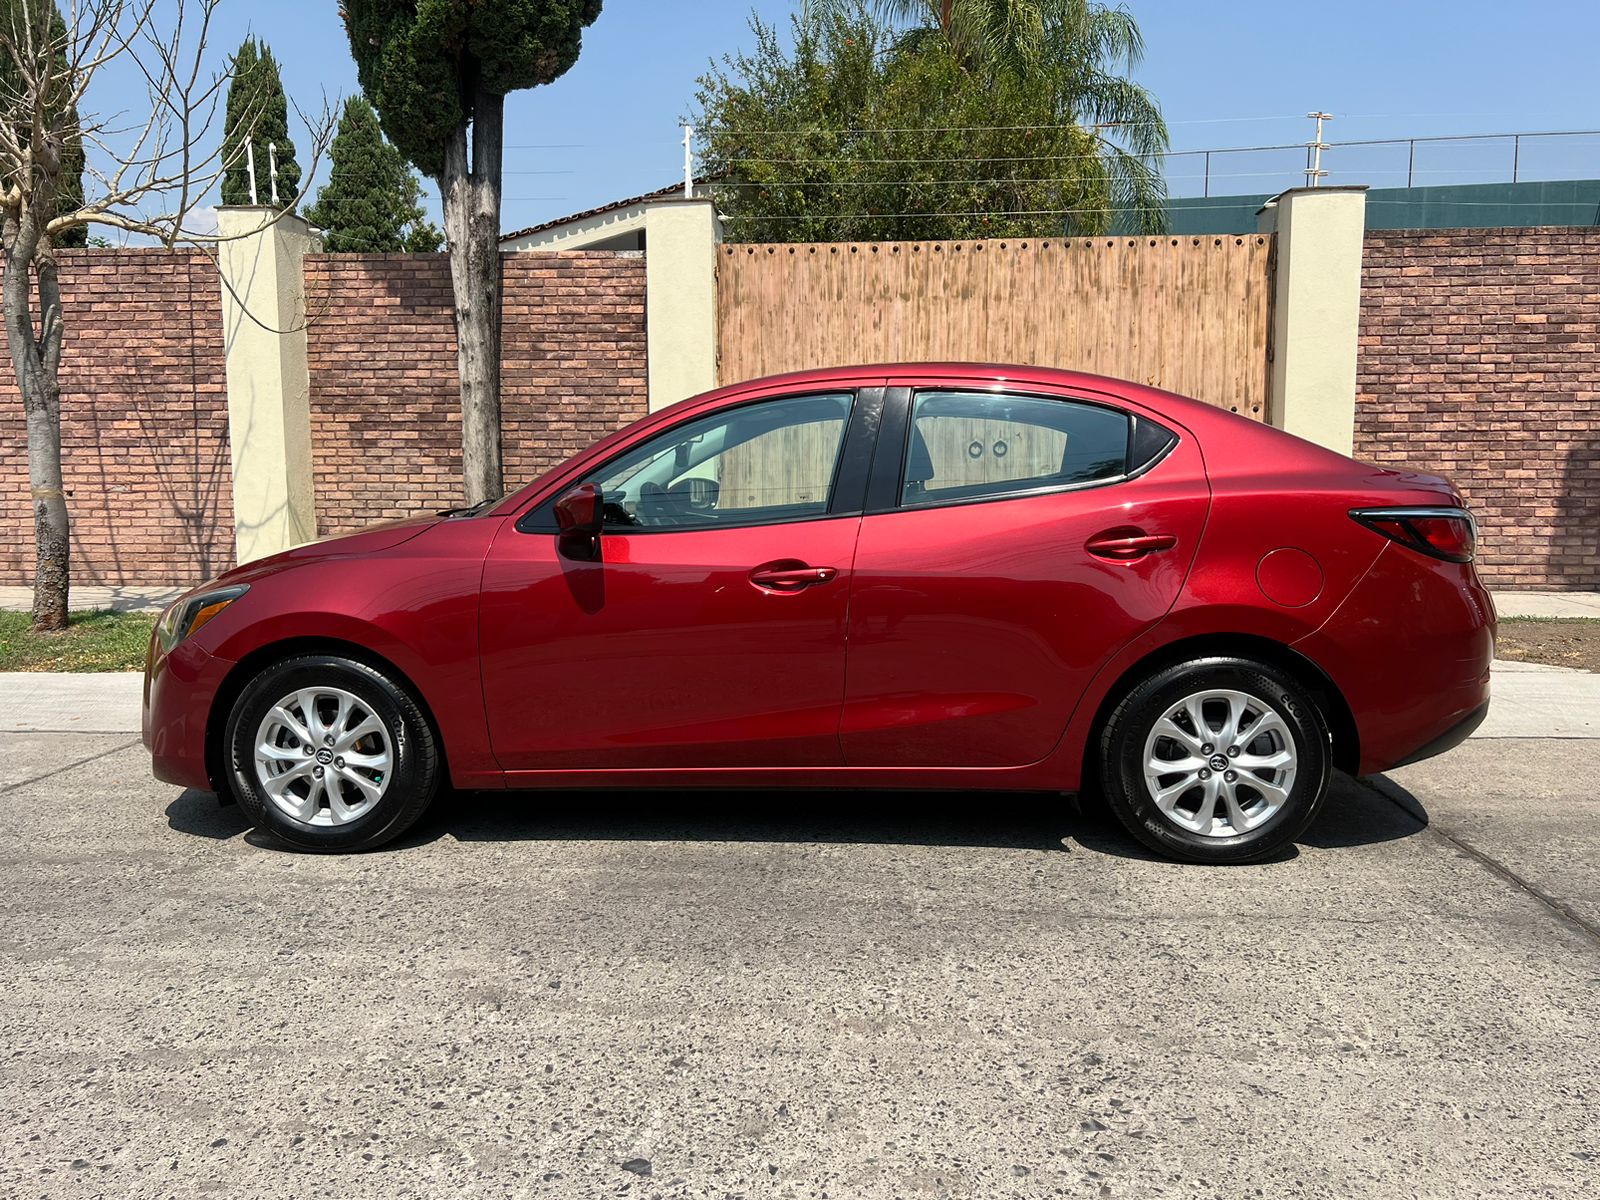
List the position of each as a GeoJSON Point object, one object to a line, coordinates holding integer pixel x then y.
{"type": "Point", "coordinates": [581, 511]}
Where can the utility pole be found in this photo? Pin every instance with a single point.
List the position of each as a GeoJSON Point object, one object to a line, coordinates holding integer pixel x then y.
{"type": "Point", "coordinates": [688, 162]}
{"type": "Point", "coordinates": [1314, 150]}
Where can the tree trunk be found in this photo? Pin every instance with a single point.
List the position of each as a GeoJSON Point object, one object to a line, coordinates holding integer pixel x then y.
{"type": "Point", "coordinates": [471, 197]}
{"type": "Point", "coordinates": [37, 362]}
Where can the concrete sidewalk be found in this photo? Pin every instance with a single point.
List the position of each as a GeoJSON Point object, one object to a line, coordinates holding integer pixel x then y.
{"type": "Point", "coordinates": [1547, 604]}
{"type": "Point", "coordinates": [94, 597]}
{"type": "Point", "coordinates": [1529, 701]}
{"type": "Point", "coordinates": [50, 702]}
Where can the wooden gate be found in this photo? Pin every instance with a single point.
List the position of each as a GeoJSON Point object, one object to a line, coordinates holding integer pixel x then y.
{"type": "Point", "coordinates": [1190, 314]}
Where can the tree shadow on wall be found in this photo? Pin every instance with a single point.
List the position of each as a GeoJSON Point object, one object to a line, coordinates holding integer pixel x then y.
{"type": "Point", "coordinates": [171, 473]}
{"type": "Point", "coordinates": [1575, 542]}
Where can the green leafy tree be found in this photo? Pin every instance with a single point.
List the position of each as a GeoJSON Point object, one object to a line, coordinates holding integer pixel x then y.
{"type": "Point", "coordinates": [258, 114]}
{"type": "Point", "coordinates": [872, 128]}
{"type": "Point", "coordinates": [438, 72]}
{"type": "Point", "coordinates": [372, 202]}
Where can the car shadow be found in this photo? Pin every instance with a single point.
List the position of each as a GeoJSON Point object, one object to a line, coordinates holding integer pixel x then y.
{"type": "Point", "coordinates": [1355, 815]}
{"type": "Point", "coordinates": [200, 814]}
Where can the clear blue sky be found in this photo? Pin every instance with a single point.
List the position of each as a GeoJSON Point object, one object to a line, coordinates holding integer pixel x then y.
{"type": "Point", "coordinates": [1234, 74]}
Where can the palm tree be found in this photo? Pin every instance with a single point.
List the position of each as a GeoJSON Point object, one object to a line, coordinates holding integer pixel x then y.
{"type": "Point", "coordinates": [1083, 50]}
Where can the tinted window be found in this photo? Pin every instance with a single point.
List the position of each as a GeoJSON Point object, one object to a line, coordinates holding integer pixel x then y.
{"type": "Point", "coordinates": [771, 461]}
{"type": "Point", "coordinates": [1150, 442]}
{"type": "Point", "coordinates": [965, 445]}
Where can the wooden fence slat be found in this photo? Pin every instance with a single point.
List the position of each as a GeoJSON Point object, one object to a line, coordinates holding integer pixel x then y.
{"type": "Point", "coordinates": [1189, 314]}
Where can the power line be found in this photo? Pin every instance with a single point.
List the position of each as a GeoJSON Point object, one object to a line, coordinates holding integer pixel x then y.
{"type": "Point", "coordinates": [1588, 205]}
{"type": "Point", "coordinates": [1395, 141]}
{"type": "Point", "coordinates": [349, 172]}
{"type": "Point", "coordinates": [365, 200]}
{"type": "Point", "coordinates": [968, 158]}
{"type": "Point", "coordinates": [938, 182]}
{"type": "Point", "coordinates": [999, 128]}
{"type": "Point", "coordinates": [1026, 212]}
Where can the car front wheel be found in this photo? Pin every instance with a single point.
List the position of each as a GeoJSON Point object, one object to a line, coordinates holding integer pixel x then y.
{"type": "Point", "coordinates": [1216, 760]}
{"type": "Point", "coordinates": [330, 754]}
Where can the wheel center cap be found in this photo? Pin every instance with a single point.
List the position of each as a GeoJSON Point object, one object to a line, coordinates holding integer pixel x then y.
{"type": "Point", "coordinates": [1219, 762]}
{"type": "Point", "coordinates": [324, 756]}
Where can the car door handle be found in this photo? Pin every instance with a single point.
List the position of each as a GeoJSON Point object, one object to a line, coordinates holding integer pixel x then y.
{"type": "Point", "coordinates": [1123, 545]}
{"type": "Point", "coordinates": [791, 578]}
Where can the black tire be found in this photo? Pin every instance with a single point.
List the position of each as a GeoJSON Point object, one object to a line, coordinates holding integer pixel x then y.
{"type": "Point", "coordinates": [1125, 738]}
{"type": "Point", "coordinates": [412, 778]}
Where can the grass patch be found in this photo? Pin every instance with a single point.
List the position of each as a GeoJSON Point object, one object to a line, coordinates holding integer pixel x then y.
{"type": "Point", "coordinates": [1554, 641]}
{"type": "Point", "coordinates": [92, 641]}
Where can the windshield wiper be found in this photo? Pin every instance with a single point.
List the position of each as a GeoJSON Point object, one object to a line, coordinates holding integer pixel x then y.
{"type": "Point", "coordinates": [470, 510]}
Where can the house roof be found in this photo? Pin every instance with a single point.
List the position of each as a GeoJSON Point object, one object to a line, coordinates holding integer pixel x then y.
{"type": "Point", "coordinates": [674, 189]}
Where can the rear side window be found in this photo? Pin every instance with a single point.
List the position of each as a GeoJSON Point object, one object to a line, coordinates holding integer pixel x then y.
{"type": "Point", "coordinates": [970, 445]}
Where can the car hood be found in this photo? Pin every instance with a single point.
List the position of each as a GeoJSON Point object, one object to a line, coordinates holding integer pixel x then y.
{"type": "Point", "coordinates": [372, 540]}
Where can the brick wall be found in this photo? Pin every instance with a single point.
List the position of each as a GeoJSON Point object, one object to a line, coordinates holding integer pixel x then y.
{"type": "Point", "coordinates": [144, 424]}
{"type": "Point", "coordinates": [386, 431]}
{"type": "Point", "coordinates": [1480, 360]}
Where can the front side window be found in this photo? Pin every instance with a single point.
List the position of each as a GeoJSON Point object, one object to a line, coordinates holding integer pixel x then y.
{"type": "Point", "coordinates": [760, 463]}
{"type": "Point", "coordinates": [969, 445]}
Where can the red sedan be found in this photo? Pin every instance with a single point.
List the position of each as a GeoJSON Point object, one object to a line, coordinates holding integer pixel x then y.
{"type": "Point", "coordinates": [934, 576]}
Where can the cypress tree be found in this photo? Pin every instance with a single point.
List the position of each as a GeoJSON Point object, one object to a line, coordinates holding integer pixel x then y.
{"type": "Point", "coordinates": [438, 72]}
{"type": "Point", "coordinates": [372, 202]}
{"type": "Point", "coordinates": [258, 111]}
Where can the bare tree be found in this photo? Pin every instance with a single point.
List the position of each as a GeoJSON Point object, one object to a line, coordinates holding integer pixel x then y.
{"type": "Point", "coordinates": [144, 177]}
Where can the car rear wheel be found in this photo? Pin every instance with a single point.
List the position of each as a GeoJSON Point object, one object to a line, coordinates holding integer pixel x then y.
{"type": "Point", "coordinates": [330, 754]}
{"type": "Point", "coordinates": [1216, 760]}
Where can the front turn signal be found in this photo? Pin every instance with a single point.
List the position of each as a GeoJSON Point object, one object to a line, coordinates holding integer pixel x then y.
{"type": "Point", "coordinates": [190, 614]}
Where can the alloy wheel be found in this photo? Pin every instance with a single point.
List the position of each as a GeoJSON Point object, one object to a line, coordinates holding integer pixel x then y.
{"type": "Point", "coordinates": [1220, 763]}
{"type": "Point", "coordinates": [323, 757]}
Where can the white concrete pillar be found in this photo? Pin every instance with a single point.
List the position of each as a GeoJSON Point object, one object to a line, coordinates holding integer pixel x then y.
{"type": "Point", "coordinates": [1316, 311]}
{"type": "Point", "coordinates": [681, 299]}
{"type": "Point", "coordinates": [269, 383]}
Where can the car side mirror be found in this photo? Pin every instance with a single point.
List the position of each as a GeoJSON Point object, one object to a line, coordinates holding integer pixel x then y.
{"type": "Point", "coordinates": [581, 511]}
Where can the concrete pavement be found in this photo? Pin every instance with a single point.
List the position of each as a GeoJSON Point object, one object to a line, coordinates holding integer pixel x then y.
{"type": "Point", "coordinates": [790, 996]}
{"type": "Point", "coordinates": [757, 996]}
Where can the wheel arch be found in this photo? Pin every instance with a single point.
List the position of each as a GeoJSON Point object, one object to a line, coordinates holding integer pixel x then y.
{"type": "Point", "coordinates": [1341, 721]}
{"type": "Point", "coordinates": [265, 655]}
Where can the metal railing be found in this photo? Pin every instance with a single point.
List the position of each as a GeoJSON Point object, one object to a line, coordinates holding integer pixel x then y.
{"type": "Point", "coordinates": [1515, 144]}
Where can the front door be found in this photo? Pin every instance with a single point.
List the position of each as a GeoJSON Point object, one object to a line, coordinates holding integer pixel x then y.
{"type": "Point", "coordinates": [707, 627]}
{"type": "Point", "coordinates": [1012, 548]}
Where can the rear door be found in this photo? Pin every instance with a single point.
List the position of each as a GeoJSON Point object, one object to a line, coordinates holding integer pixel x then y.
{"type": "Point", "coordinates": [707, 626]}
{"type": "Point", "coordinates": [1012, 544]}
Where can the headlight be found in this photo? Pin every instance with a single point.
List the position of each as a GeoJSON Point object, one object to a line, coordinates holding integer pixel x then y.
{"type": "Point", "coordinates": [192, 612]}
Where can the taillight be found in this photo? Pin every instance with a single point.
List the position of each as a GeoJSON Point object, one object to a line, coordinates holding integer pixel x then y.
{"type": "Point", "coordinates": [1447, 533]}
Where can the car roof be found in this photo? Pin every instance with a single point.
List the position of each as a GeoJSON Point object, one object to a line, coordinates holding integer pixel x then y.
{"type": "Point", "coordinates": [1180, 408]}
